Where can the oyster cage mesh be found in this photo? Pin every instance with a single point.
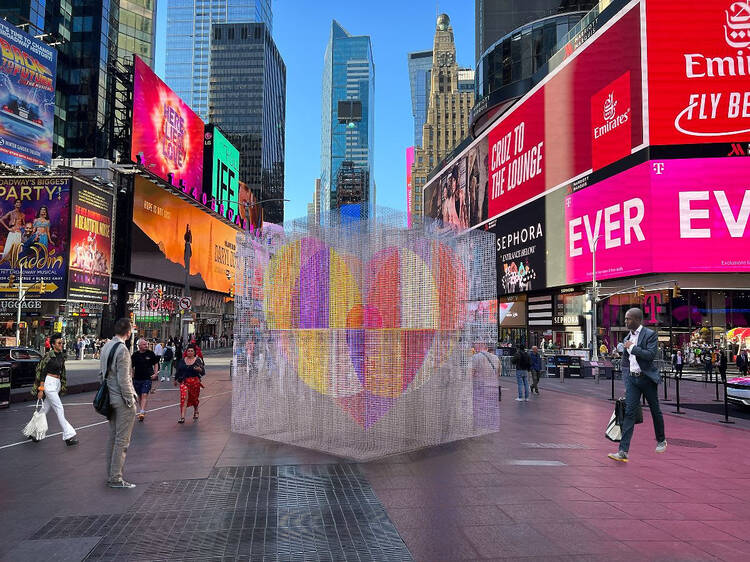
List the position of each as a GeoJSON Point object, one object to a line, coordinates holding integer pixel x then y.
{"type": "Point", "coordinates": [353, 338]}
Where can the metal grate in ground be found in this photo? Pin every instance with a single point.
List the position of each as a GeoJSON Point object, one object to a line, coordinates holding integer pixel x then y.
{"type": "Point", "coordinates": [316, 512]}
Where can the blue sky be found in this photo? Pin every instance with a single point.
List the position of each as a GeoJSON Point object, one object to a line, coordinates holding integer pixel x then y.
{"type": "Point", "coordinates": [301, 29]}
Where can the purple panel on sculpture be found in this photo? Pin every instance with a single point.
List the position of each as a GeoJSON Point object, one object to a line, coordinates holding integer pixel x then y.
{"type": "Point", "coordinates": [314, 289]}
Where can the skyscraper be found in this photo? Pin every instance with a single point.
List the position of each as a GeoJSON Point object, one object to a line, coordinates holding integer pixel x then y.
{"type": "Point", "coordinates": [347, 117]}
{"type": "Point", "coordinates": [448, 112]}
{"type": "Point", "coordinates": [136, 30]}
{"type": "Point", "coordinates": [248, 102]}
{"type": "Point", "coordinates": [189, 42]}
{"type": "Point", "coordinates": [420, 65]}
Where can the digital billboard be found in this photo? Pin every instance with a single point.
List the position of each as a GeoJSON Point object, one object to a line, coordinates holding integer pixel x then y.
{"type": "Point", "coordinates": [683, 215]}
{"type": "Point", "coordinates": [512, 311]}
{"type": "Point", "coordinates": [166, 229]}
{"type": "Point", "coordinates": [521, 251]}
{"type": "Point", "coordinates": [27, 98]}
{"type": "Point", "coordinates": [34, 215]}
{"type": "Point", "coordinates": [586, 114]}
{"type": "Point", "coordinates": [90, 243]}
{"type": "Point", "coordinates": [698, 89]}
{"type": "Point", "coordinates": [221, 172]}
{"type": "Point", "coordinates": [409, 164]}
{"type": "Point", "coordinates": [166, 132]}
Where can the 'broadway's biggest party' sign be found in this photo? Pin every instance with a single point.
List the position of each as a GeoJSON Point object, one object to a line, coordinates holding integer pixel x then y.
{"type": "Point", "coordinates": [34, 218]}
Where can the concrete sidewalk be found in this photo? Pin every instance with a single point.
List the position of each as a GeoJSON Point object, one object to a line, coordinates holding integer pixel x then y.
{"type": "Point", "coordinates": [542, 488]}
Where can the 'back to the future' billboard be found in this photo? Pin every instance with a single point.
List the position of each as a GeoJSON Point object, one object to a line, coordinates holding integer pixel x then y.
{"type": "Point", "coordinates": [27, 98]}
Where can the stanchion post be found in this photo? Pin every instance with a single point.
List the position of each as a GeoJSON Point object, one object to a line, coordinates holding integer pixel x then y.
{"type": "Point", "coordinates": [612, 398]}
{"type": "Point", "coordinates": [726, 405]}
{"type": "Point", "coordinates": [677, 391]}
{"type": "Point", "coordinates": [717, 390]}
{"type": "Point", "coordinates": [666, 381]}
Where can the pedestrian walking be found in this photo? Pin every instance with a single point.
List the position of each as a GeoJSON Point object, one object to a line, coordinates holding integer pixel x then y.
{"type": "Point", "coordinates": [641, 377]}
{"type": "Point", "coordinates": [50, 383]}
{"type": "Point", "coordinates": [166, 363]}
{"type": "Point", "coordinates": [190, 369]}
{"type": "Point", "coordinates": [178, 349]}
{"type": "Point", "coordinates": [743, 362]}
{"type": "Point", "coordinates": [122, 400]}
{"type": "Point", "coordinates": [678, 363]}
{"type": "Point", "coordinates": [81, 348]}
{"type": "Point", "coordinates": [536, 368]}
{"type": "Point", "coordinates": [522, 361]}
{"type": "Point", "coordinates": [708, 366]}
{"type": "Point", "coordinates": [485, 367]}
{"type": "Point", "coordinates": [145, 369]}
{"type": "Point", "coordinates": [723, 366]}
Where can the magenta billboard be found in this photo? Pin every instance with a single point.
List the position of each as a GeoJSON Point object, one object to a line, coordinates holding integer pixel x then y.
{"type": "Point", "coordinates": [658, 217]}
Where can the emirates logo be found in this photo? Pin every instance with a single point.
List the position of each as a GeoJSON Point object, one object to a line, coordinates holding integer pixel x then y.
{"type": "Point", "coordinates": [610, 107]}
{"type": "Point", "coordinates": [737, 28]}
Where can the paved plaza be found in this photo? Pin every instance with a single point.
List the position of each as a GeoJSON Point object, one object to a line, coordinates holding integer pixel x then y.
{"type": "Point", "coordinates": [540, 489]}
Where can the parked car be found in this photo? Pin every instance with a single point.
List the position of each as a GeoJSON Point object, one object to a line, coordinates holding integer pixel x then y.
{"type": "Point", "coordinates": [23, 361]}
{"type": "Point", "coordinates": [738, 391]}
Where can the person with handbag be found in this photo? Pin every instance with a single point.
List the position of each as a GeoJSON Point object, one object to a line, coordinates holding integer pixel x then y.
{"type": "Point", "coordinates": [190, 369]}
{"type": "Point", "coordinates": [641, 377]}
{"type": "Point", "coordinates": [50, 382]}
{"type": "Point", "coordinates": [123, 400]}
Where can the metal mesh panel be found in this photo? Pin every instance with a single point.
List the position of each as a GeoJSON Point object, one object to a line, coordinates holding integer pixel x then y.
{"type": "Point", "coordinates": [352, 337]}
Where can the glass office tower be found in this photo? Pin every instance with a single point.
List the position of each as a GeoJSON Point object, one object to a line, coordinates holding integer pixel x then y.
{"type": "Point", "coordinates": [420, 65]}
{"type": "Point", "coordinates": [189, 42]}
{"type": "Point", "coordinates": [136, 30]}
{"type": "Point", "coordinates": [247, 100]}
{"type": "Point", "coordinates": [348, 113]}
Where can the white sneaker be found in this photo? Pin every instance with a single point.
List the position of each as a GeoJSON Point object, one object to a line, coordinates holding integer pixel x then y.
{"type": "Point", "coordinates": [162, 379]}
{"type": "Point", "coordinates": [519, 399]}
{"type": "Point", "coordinates": [525, 399]}
{"type": "Point", "coordinates": [661, 446]}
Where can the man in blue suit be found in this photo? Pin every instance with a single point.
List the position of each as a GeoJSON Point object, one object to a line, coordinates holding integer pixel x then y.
{"type": "Point", "coordinates": [641, 377]}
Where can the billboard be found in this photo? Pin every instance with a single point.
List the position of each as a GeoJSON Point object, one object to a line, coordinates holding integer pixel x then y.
{"type": "Point", "coordinates": [34, 214]}
{"type": "Point", "coordinates": [163, 224]}
{"type": "Point", "coordinates": [698, 89]}
{"type": "Point", "coordinates": [684, 215]}
{"type": "Point", "coordinates": [512, 311]}
{"type": "Point", "coordinates": [90, 243]}
{"type": "Point", "coordinates": [585, 115]}
{"type": "Point", "coordinates": [27, 98]}
{"type": "Point", "coordinates": [409, 164]}
{"type": "Point", "coordinates": [221, 172]}
{"type": "Point", "coordinates": [166, 132]}
{"type": "Point", "coordinates": [521, 251]}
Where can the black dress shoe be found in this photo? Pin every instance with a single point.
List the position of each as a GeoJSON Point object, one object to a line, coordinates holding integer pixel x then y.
{"type": "Point", "coordinates": [71, 441]}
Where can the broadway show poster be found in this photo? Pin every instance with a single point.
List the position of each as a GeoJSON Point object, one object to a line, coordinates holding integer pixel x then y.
{"type": "Point", "coordinates": [167, 230]}
{"type": "Point", "coordinates": [521, 249]}
{"type": "Point", "coordinates": [34, 235]}
{"type": "Point", "coordinates": [27, 98]}
{"type": "Point", "coordinates": [166, 132]}
{"type": "Point", "coordinates": [90, 244]}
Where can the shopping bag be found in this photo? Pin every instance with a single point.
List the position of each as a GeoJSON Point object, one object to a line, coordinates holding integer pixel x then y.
{"type": "Point", "coordinates": [37, 426]}
{"type": "Point", "coordinates": [614, 430]}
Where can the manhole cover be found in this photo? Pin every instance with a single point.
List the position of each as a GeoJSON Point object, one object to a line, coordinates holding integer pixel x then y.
{"type": "Point", "coordinates": [690, 443]}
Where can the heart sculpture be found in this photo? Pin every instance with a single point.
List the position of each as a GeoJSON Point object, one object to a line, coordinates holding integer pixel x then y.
{"type": "Point", "coordinates": [365, 333]}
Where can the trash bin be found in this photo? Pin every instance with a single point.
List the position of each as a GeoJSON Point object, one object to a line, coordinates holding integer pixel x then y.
{"type": "Point", "coordinates": [4, 385]}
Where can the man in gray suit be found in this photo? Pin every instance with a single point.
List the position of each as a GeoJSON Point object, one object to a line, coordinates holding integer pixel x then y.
{"type": "Point", "coordinates": [123, 400]}
{"type": "Point", "coordinates": [641, 377]}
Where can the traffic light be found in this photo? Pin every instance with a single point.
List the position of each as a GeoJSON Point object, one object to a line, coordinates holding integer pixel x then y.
{"type": "Point", "coordinates": [639, 292]}
{"type": "Point", "coordinates": [676, 292]}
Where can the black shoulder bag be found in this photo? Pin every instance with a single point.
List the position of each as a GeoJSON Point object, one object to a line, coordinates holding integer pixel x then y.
{"type": "Point", "coordinates": [101, 398]}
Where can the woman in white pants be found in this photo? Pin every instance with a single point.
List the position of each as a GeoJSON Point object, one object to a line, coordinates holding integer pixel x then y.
{"type": "Point", "coordinates": [50, 382]}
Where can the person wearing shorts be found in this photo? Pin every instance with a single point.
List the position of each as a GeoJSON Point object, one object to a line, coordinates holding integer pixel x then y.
{"type": "Point", "coordinates": [145, 369]}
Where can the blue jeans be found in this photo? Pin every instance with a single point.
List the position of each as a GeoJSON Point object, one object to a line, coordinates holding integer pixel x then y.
{"type": "Point", "coordinates": [634, 387]}
{"type": "Point", "coordinates": [522, 378]}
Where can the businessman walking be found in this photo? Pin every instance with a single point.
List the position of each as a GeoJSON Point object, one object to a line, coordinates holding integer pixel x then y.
{"type": "Point", "coordinates": [641, 377]}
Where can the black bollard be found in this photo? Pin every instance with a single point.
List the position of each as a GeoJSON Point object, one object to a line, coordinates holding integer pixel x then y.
{"type": "Point", "coordinates": [726, 405]}
{"type": "Point", "coordinates": [677, 391]}
{"type": "Point", "coordinates": [666, 381]}
{"type": "Point", "coordinates": [612, 398]}
{"type": "Point", "coordinates": [717, 390]}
